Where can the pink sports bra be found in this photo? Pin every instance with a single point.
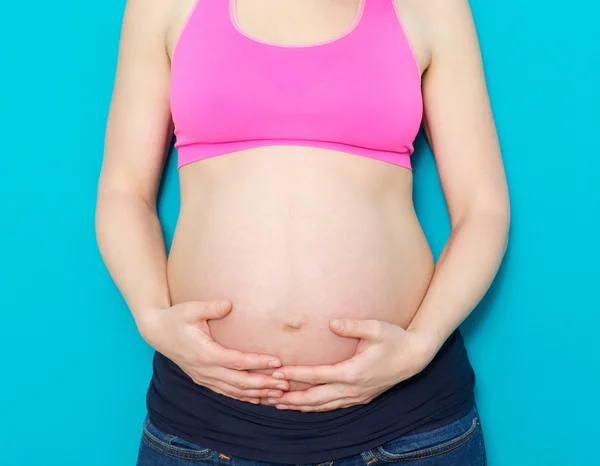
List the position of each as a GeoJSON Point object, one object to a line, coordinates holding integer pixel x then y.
{"type": "Point", "coordinates": [358, 93]}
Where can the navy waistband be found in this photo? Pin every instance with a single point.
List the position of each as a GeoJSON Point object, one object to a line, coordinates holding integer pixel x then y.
{"type": "Point", "coordinates": [440, 394]}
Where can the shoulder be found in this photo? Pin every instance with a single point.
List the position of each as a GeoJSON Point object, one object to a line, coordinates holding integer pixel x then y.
{"type": "Point", "coordinates": [148, 18]}
{"type": "Point", "coordinates": [437, 10]}
{"type": "Point", "coordinates": [149, 9]}
{"type": "Point", "coordinates": [433, 25]}
{"type": "Point", "coordinates": [449, 22]}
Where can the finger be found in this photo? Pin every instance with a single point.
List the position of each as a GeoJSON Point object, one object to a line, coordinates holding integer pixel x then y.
{"type": "Point", "coordinates": [342, 372]}
{"type": "Point", "coordinates": [234, 359]}
{"type": "Point", "coordinates": [254, 401]}
{"type": "Point", "coordinates": [315, 396]}
{"type": "Point", "coordinates": [237, 393]}
{"type": "Point", "coordinates": [246, 381]}
{"type": "Point", "coordinates": [337, 404]}
{"type": "Point", "coordinates": [365, 329]}
{"type": "Point", "coordinates": [228, 395]}
{"type": "Point", "coordinates": [205, 310]}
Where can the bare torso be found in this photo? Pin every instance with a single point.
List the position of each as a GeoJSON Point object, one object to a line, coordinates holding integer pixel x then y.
{"type": "Point", "coordinates": [295, 236]}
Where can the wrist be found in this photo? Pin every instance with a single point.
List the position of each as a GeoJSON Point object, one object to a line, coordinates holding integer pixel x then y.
{"type": "Point", "coordinates": [148, 323]}
{"type": "Point", "coordinates": [427, 343]}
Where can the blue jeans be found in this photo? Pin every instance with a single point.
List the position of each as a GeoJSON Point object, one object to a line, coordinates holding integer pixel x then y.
{"type": "Point", "coordinates": [457, 444]}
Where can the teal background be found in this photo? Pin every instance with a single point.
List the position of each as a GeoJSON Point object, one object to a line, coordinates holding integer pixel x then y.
{"type": "Point", "coordinates": [74, 369]}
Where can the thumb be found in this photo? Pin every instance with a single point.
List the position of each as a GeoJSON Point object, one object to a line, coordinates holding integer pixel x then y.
{"type": "Point", "coordinates": [352, 328]}
{"type": "Point", "coordinates": [205, 310]}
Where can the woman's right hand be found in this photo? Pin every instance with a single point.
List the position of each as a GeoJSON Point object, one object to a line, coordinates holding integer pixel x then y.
{"type": "Point", "coordinates": [181, 333]}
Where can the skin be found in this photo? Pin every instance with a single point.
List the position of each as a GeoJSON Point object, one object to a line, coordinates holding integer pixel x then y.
{"type": "Point", "coordinates": [377, 350]}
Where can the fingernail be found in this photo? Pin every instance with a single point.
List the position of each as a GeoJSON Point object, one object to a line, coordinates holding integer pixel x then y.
{"type": "Point", "coordinates": [273, 394]}
{"type": "Point", "coordinates": [336, 324]}
{"type": "Point", "coordinates": [273, 402]}
{"type": "Point", "coordinates": [281, 386]}
{"type": "Point", "coordinates": [282, 406]}
{"type": "Point", "coordinates": [274, 363]}
{"type": "Point", "coordinates": [223, 305]}
{"type": "Point", "coordinates": [278, 375]}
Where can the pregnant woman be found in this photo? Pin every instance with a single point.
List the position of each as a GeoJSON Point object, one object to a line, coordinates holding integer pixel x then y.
{"type": "Point", "coordinates": [299, 317]}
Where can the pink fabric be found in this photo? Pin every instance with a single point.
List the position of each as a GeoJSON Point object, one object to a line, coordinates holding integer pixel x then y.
{"type": "Point", "coordinates": [358, 93]}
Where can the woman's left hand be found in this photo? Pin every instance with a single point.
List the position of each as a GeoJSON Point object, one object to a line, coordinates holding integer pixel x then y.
{"type": "Point", "coordinates": [386, 355]}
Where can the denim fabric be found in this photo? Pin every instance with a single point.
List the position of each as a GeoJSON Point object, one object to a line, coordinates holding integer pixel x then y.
{"type": "Point", "coordinates": [460, 443]}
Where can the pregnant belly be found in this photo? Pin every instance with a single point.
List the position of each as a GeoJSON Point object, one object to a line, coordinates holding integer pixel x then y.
{"type": "Point", "coordinates": [294, 237]}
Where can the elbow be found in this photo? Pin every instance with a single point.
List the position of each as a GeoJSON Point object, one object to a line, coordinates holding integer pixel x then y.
{"type": "Point", "coordinates": [113, 205]}
{"type": "Point", "coordinates": [493, 217]}
{"type": "Point", "coordinates": [504, 219]}
{"type": "Point", "coordinates": [496, 221]}
{"type": "Point", "coordinates": [113, 193]}
{"type": "Point", "coordinates": [502, 211]}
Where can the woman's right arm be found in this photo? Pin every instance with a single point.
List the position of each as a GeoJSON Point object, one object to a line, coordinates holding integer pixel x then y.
{"type": "Point", "coordinates": [128, 230]}
{"type": "Point", "coordinates": [138, 133]}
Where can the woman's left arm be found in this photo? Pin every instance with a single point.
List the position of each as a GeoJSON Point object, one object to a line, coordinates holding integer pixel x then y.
{"type": "Point", "coordinates": [460, 127]}
{"type": "Point", "coordinates": [461, 131]}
